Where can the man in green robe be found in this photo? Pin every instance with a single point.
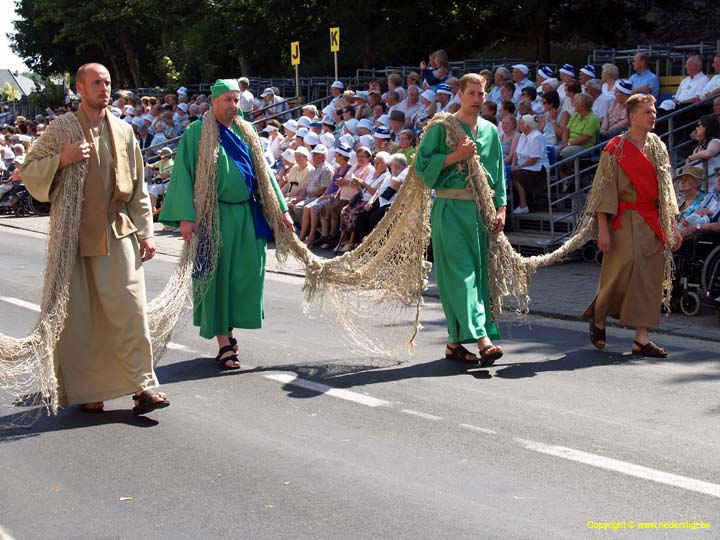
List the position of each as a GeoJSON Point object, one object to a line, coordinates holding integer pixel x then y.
{"type": "Point", "coordinates": [234, 296]}
{"type": "Point", "coordinates": [459, 237]}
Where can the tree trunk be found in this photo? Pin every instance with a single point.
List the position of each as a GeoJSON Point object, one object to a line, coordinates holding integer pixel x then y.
{"type": "Point", "coordinates": [543, 33]}
{"type": "Point", "coordinates": [133, 64]}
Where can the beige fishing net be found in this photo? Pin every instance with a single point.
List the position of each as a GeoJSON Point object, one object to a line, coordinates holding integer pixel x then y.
{"type": "Point", "coordinates": [374, 292]}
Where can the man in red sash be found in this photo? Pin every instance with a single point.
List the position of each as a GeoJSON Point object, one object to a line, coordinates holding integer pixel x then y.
{"type": "Point", "coordinates": [630, 235]}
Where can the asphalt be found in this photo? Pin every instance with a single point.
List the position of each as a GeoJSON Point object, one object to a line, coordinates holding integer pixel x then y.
{"type": "Point", "coordinates": [560, 291]}
{"type": "Point", "coordinates": [310, 441]}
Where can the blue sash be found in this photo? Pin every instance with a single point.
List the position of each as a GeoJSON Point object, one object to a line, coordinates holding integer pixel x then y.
{"type": "Point", "coordinates": [239, 153]}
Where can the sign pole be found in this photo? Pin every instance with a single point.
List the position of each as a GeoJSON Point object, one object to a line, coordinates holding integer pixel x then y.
{"type": "Point", "coordinates": [335, 47]}
{"type": "Point", "coordinates": [295, 61]}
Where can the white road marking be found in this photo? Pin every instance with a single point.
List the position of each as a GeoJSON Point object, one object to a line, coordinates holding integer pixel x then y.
{"type": "Point", "coordinates": [329, 390]}
{"type": "Point", "coordinates": [421, 414]}
{"type": "Point", "coordinates": [34, 307]}
{"type": "Point", "coordinates": [20, 303]}
{"type": "Point", "coordinates": [624, 467]}
{"type": "Point", "coordinates": [179, 347]}
{"type": "Point", "coordinates": [478, 428]}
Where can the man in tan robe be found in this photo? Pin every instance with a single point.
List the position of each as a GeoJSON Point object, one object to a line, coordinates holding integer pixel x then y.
{"type": "Point", "coordinates": [104, 351]}
{"type": "Point", "coordinates": [630, 234]}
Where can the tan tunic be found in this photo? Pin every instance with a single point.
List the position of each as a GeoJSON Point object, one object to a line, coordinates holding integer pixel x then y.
{"type": "Point", "coordinates": [630, 287]}
{"type": "Point", "coordinates": [104, 351]}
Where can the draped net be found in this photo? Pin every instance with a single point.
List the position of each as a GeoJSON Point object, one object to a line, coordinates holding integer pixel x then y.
{"type": "Point", "coordinates": [374, 293]}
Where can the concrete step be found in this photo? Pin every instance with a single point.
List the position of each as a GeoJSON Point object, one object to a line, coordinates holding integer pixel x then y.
{"type": "Point", "coordinates": [529, 244]}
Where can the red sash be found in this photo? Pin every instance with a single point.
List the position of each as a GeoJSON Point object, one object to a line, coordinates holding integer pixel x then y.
{"type": "Point", "coordinates": [643, 176]}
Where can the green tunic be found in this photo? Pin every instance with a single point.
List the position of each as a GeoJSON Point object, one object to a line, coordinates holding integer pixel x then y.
{"type": "Point", "coordinates": [234, 299]}
{"type": "Point", "coordinates": [459, 239]}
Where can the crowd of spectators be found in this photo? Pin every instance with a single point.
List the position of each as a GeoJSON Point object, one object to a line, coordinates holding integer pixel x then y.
{"type": "Point", "coordinates": [327, 159]}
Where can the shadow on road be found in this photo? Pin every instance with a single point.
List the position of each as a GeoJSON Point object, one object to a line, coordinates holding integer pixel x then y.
{"type": "Point", "coordinates": [68, 418]}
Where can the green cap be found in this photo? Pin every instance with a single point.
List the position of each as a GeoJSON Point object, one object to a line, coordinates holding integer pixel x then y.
{"type": "Point", "coordinates": [223, 85]}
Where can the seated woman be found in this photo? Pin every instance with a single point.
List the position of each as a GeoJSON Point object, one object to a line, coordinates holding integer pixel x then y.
{"type": "Point", "coordinates": [298, 175]}
{"type": "Point", "coordinates": [581, 133]}
{"type": "Point", "coordinates": [509, 137]}
{"type": "Point", "coordinates": [363, 211]}
{"type": "Point", "coordinates": [549, 124]}
{"type": "Point", "coordinates": [690, 193]}
{"type": "Point", "coordinates": [406, 141]}
{"type": "Point", "coordinates": [530, 163]}
{"type": "Point", "coordinates": [437, 72]}
{"type": "Point", "coordinates": [708, 148]}
{"type": "Point", "coordinates": [616, 120]}
{"type": "Point", "coordinates": [386, 193]}
{"type": "Point", "coordinates": [350, 191]}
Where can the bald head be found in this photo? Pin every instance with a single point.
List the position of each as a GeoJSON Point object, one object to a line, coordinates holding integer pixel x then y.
{"type": "Point", "coordinates": [85, 68]}
{"type": "Point", "coordinates": [94, 86]}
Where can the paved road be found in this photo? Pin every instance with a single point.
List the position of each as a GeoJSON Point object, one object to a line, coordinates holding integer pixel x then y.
{"type": "Point", "coordinates": [312, 442]}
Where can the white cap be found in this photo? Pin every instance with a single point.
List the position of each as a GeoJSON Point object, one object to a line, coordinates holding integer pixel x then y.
{"type": "Point", "coordinates": [552, 81]}
{"type": "Point", "coordinates": [270, 128]}
{"type": "Point", "coordinates": [311, 138]}
{"type": "Point", "coordinates": [7, 153]}
{"type": "Point", "coordinates": [348, 140]}
{"type": "Point", "coordinates": [338, 84]}
{"type": "Point", "coordinates": [352, 125]}
{"type": "Point", "coordinates": [130, 110]}
{"type": "Point", "coordinates": [367, 141]}
{"type": "Point", "coordinates": [288, 155]}
{"type": "Point", "coordinates": [148, 118]}
{"type": "Point", "coordinates": [138, 121]}
{"type": "Point", "coordinates": [384, 120]}
{"type": "Point", "coordinates": [521, 67]}
{"type": "Point", "coordinates": [303, 121]}
{"type": "Point", "coordinates": [301, 132]}
{"type": "Point", "coordinates": [267, 92]}
{"type": "Point", "coordinates": [668, 105]}
{"type": "Point", "coordinates": [183, 107]}
{"type": "Point", "coordinates": [320, 149]}
{"type": "Point", "coordinates": [365, 123]}
{"type": "Point", "coordinates": [428, 94]}
{"type": "Point", "coordinates": [291, 125]}
{"type": "Point", "coordinates": [302, 150]}
{"type": "Point", "coordinates": [182, 90]}
{"type": "Point", "coordinates": [328, 139]}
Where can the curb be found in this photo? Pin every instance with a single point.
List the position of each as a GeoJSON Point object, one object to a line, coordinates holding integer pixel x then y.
{"type": "Point", "coordinates": [429, 294]}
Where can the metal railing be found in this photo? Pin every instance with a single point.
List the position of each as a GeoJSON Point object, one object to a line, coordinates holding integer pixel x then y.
{"type": "Point", "coordinates": [585, 163]}
{"type": "Point", "coordinates": [151, 151]}
{"type": "Point", "coordinates": [667, 59]}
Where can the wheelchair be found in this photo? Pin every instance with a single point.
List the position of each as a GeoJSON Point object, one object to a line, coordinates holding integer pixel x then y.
{"type": "Point", "coordinates": [697, 274]}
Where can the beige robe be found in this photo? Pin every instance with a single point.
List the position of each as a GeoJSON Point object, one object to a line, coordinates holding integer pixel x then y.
{"type": "Point", "coordinates": [104, 351]}
{"type": "Point", "coordinates": [630, 287]}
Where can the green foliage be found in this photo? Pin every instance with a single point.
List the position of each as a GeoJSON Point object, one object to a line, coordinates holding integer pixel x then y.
{"type": "Point", "coordinates": [53, 95]}
{"type": "Point", "coordinates": [146, 43]}
{"type": "Point", "coordinates": [9, 92]}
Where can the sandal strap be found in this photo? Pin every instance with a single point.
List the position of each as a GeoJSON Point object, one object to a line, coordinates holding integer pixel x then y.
{"type": "Point", "coordinates": [223, 350]}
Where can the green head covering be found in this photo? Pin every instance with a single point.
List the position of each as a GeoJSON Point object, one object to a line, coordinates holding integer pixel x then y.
{"type": "Point", "coordinates": [223, 85]}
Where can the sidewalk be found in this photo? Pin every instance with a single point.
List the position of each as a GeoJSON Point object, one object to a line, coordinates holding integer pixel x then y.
{"type": "Point", "coordinates": [560, 291]}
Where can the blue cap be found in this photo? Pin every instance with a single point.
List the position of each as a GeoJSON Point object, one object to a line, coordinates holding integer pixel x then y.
{"type": "Point", "coordinates": [589, 71]}
{"type": "Point", "coordinates": [343, 150]}
{"type": "Point", "coordinates": [567, 69]}
{"type": "Point", "coordinates": [444, 89]}
{"type": "Point", "coordinates": [546, 72]}
{"type": "Point", "coordinates": [382, 133]}
{"type": "Point", "coordinates": [624, 86]}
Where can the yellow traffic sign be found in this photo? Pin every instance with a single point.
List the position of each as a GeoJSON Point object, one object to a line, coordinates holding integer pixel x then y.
{"type": "Point", "coordinates": [295, 53]}
{"type": "Point", "coordinates": [334, 39]}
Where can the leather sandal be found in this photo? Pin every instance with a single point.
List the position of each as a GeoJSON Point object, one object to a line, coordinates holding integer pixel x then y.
{"type": "Point", "coordinates": [232, 340]}
{"type": "Point", "coordinates": [597, 335]}
{"type": "Point", "coordinates": [146, 403]}
{"type": "Point", "coordinates": [222, 361]}
{"type": "Point", "coordinates": [649, 350]}
{"type": "Point", "coordinates": [460, 354]}
{"type": "Point", "coordinates": [85, 407]}
{"type": "Point", "coordinates": [489, 354]}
